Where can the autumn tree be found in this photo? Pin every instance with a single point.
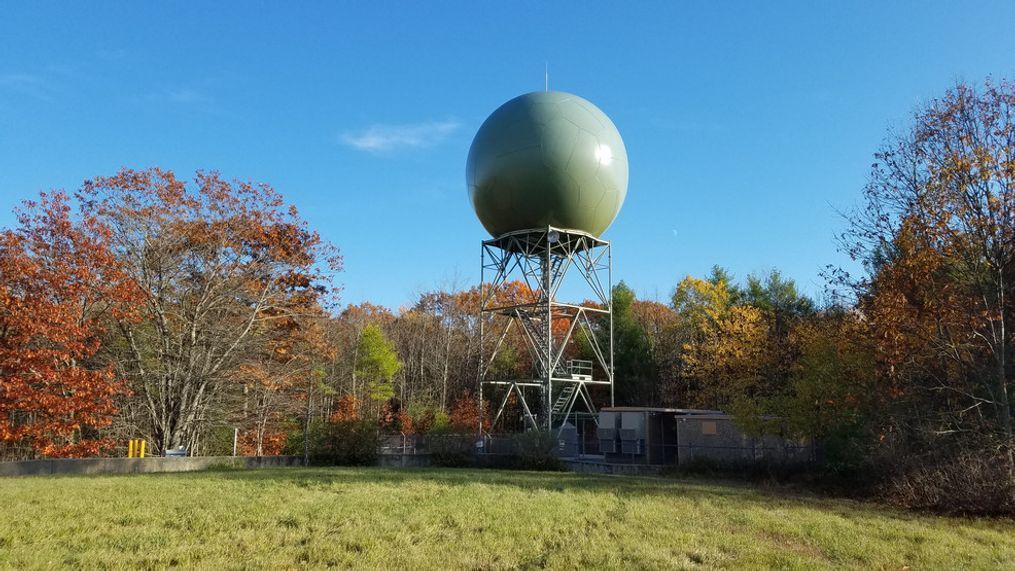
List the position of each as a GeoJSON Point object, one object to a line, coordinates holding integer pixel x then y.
{"type": "Point", "coordinates": [219, 264]}
{"type": "Point", "coordinates": [436, 338]}
{"type": "Point", "coordinates": [346, 408]}
{"type": "Point", "coordinates": [446, 339]}
{"type": "Point", "coordinates": [936, 235]}
{"type": "Point", "coordinates": [733, 346]}
{"type": "Point", "coordinates": [731, 360]}
{"type": "Point", "coordinates": [60, 286]}
{"type": "Point", "coordinates": [654, 318]}
{"type": "Point", "coordinates": [701, 301]}
{"type": "Point", "coordinates": [699, 305]}
{"type": "Point", "coordinates": [281, 381]}
{"type": "Point", "coordinates": [465, 414]}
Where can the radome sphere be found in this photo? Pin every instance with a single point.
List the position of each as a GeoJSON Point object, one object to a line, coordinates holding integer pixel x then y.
{"type": "Point", "coordinates": [547, 159]}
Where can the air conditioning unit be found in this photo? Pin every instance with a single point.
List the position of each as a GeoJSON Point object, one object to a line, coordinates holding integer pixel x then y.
{"type": "Point", "coordinates": [630, 447]}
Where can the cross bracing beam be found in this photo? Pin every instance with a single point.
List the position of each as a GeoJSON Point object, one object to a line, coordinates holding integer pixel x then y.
{"type": "Point", "coordinates": [542, 259]}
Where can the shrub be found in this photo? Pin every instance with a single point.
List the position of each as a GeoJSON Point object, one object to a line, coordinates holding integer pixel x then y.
{"type": "Point", "coordinates": [352, 442]}
{"type": "Point", "coordinates": [536, 450]}
{"type": "Point", "coordinates": [343, 443]}
{"type": "Point", "coordinates": [451, 450]}
{"type": "Point", "coordinates": [974, 482]}
{"type": "Point", "coordinates": [441, 421]}
{"type": "Point", "coordinates": [419, 418]}
{"type": "Point", "coordinates": [856, 481]}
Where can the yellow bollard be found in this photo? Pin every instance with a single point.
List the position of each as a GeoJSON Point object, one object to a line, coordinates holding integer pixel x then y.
{"type": "Point", "coordinates": [143, 442]}
{"type": "Point", "coordinates": [130, 449]}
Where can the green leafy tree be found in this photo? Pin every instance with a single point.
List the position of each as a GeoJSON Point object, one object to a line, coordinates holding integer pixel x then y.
{"type": "Point", "coordinates": [377, 363]}
{"type": "Point", "coordinates": [634, 367]}
{"type": "Point", "coordinates": [832, 385]}
{"type": "Point", "coordinates": [778, 297]}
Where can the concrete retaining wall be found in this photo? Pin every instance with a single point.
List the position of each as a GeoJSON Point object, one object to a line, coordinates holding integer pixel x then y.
{"type": "Point", "coordinates": [69, 466]}
{"type": "Point", "coordinates": [595, 467]}
{"type": "Point", "coordinates": [141, 465]}
{"type": "Point", "coordinates": [403, 460]}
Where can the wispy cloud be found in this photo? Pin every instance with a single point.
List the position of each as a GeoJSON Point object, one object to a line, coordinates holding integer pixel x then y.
{"type": "Point", "coordinates": [383, 138]}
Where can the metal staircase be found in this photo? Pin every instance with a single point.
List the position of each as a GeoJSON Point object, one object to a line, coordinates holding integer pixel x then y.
{"type": "Point", "coordinates": [565, 396]}
{"type": "Point", "coordinates": [536, 334]}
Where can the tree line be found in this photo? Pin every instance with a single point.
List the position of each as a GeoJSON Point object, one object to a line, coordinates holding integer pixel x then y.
{"type": "Point", "coordinates": [149, 306]}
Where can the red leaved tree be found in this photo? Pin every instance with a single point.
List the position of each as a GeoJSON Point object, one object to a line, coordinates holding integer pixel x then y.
{"type": "Point", "coordinates": [59, 284]}
{"type": "Point", "coordinates": [464, 415]}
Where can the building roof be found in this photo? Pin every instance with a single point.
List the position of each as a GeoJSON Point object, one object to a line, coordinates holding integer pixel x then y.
{"type": "Point", "coordinates": [680, 411]}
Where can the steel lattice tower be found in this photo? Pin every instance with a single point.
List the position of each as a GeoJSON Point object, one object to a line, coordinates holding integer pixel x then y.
{"type": "Point", "coordinates": [542, 258]}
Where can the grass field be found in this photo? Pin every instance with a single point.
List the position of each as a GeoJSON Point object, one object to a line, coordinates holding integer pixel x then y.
{"type": "Point", "coordinates": [372, 517]}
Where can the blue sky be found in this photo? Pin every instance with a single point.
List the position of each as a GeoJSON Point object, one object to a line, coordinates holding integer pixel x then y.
{"type": "Point", "coordinates": [747, 125]}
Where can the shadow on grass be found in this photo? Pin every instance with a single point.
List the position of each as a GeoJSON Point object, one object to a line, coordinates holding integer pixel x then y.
{"type": "Point", "coordinates": [695, 489]}
{"type": "Point", "coordinates": [628, 486]}
{"type": "Point", "coordinates": [744, 495]}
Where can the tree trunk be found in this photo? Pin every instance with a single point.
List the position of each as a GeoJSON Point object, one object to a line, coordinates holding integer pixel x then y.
{"type": "Point", "coordinates": [306, 425]}
{"type": "Point", "coordinates": [1003, 408]}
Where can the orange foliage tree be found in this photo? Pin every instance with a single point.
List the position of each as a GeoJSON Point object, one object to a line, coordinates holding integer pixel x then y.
{"type": "Point", "coordinates": [59, 286]}
{"type": "Point", "coordinates": [281, 381]}
{"type": "Point", "coordinates": [347, 408]}
{"type": "Point", "coordinates": [222, 266]}
{"type": "Point", "coordinates": [464, 415]}
{"type": "Point", "coordinates": [937, 238]}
